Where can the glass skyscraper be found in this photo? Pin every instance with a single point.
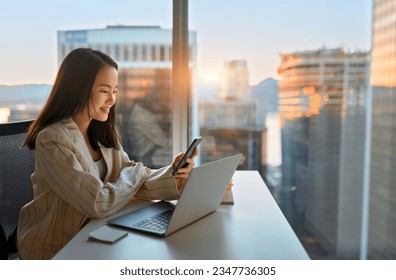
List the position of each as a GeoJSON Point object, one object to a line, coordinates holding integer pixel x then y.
{"type": "Point", "coordinates": [322, 108]}
{"type": "Point", "coordinates": [382, 205]}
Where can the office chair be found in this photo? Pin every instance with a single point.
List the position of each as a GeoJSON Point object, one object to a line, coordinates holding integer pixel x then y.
{"type": "Point", "coordinates": [16, 167]}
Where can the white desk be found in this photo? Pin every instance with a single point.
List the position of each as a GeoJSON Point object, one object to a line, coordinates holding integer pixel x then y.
{"type": "Point", "coordinates": [253, 228]}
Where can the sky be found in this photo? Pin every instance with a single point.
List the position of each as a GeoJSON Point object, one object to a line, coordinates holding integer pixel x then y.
{"type": "Point", "coordinates": [252, 30]}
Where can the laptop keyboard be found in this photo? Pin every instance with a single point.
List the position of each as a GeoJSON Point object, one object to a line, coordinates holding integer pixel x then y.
{"type": "Point", "coordinates": [156, 223]}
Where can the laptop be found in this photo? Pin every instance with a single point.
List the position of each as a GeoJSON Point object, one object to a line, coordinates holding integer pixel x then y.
{"type": "Point", "coordinates": [202, 195]}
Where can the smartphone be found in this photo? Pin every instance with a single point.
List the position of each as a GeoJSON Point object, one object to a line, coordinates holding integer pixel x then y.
{"type": "Point", "coordinates": [187, 154]}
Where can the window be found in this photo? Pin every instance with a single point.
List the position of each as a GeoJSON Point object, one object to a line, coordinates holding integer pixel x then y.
{"type": "Point", "coordinates": [135, 52]}
{"type": "Point", "coordinates": [285, 84]}
{"type": "Point", "coordinates": [144, 52]}
{"type": "Point", "coordinates": [162, 53]}
{"type": "Point", "coordinates": [126, 52]}
{"type": "Point", "coordinates": [144, 95]}
{"type": "Point", "coordinates": [153, 53]}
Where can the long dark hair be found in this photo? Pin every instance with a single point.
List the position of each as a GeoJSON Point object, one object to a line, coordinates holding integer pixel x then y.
{"type": "Point", "coordinates": [71, 93]}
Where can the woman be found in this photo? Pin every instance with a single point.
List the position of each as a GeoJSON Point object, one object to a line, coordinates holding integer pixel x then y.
{"type": "Point", "coordinates": [81, 170]}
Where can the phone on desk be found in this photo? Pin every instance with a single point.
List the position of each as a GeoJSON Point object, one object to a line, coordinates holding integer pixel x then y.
{"type": "Point", "coordinates": [187, 154]}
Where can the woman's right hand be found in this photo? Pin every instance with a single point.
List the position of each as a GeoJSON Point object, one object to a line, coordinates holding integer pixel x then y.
{"type": "Point", "coordinates": [134, 163]}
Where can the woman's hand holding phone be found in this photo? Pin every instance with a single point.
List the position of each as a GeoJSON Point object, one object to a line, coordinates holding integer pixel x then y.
{"type": "Point", "coordinates": [181, 162]}
{"type": "Point", "coordinates": [182, 174]}
{"type": "Point", "coordinates": [184, 163]}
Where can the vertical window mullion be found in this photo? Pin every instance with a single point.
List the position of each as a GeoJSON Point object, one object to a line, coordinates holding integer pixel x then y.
{"type": "Point", "coordinates": [180, 76]}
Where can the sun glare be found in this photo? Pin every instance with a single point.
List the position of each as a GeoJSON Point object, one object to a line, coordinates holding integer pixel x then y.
{"type": "Point", "coordinates": [208, 77]}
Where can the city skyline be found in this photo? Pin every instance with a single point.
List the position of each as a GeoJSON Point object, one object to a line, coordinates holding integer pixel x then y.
{"type": "Point", "coordinates": [263, 30]}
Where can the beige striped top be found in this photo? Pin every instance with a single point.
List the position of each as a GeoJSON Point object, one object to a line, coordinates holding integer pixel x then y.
{"type": "Point", "coordinates": [68, 191]}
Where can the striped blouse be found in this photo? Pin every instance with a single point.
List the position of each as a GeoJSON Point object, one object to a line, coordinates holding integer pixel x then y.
{"type": "Point", "coordinates": [68, 191]}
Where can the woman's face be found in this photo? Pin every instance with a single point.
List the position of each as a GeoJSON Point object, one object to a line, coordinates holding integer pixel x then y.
{"type": "Point", "coordinates": [103, 93]}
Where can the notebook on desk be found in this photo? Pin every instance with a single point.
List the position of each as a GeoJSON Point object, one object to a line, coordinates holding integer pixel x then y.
{"type": "Point", "coordinates": [202, 195]}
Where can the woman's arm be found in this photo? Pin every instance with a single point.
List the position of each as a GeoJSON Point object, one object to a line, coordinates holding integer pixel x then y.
{"type": "Point", "coordinates": [60, 166]}
{"type": "Point", "coordinates": [161, 184]}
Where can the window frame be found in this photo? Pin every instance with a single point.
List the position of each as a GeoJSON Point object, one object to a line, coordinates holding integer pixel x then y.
{"type": "Point", "coordinates": [180, 77]}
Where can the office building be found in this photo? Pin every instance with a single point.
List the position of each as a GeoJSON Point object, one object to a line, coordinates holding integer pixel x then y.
{"type": "Point", "coordinates": [228, 123]}
{"type": "Point", "coordinates": [237, 114]}
{"type": "Point", "coordinates": [234, 80]}
{"type": "Point", "coordinates": [382, 206]}
{"type": "Point", "coordinates": [144, 56]}
{"type": "Point", "coordinates": [322, 107]}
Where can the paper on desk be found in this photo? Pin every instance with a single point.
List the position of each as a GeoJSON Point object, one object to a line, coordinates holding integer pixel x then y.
{"type": "Point", "coordinates": [228, 198]}
{"type": "Point", "coordinates": [107, 234]}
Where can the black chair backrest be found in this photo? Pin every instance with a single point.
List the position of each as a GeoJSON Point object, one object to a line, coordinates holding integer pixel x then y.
{"type": "Point", "coordinates": [16, 167]}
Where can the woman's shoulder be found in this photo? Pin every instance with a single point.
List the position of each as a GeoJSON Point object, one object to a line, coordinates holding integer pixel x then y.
{"type": "Point", "coordinates": [59, 131]}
